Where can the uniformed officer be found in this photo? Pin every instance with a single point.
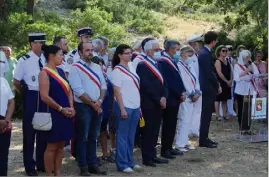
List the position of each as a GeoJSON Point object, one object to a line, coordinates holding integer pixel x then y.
{"type": "Point", "coordinates": [26, 83]}
{"type": "Point", "coordinates": [84, 34]}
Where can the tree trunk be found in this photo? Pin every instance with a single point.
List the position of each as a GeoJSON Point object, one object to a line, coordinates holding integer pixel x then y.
{"type": "Point", "coordinates": [3, 10]}
{"type": "Point", "coordinates": [30, 7]}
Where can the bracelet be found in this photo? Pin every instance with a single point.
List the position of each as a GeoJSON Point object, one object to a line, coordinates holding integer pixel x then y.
{"type": "Point", "coordinates": [60, 109]}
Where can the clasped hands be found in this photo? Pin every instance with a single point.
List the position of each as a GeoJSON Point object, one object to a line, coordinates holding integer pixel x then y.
{"type": "Point", "coordinates": [97, 106]}
{"type": "Point", "coordinates": [68, 112]}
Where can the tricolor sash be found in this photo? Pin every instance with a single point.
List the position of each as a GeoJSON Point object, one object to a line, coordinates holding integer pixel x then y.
{"type": "Point", "coordinates": [135, 79]}
{"type": "Point", "coordinates": [169, 62]}
{"type": "Point", "coordinates": [153, 69]}
{"type": "Point", "coordinates": [89, 72]}
{"type": "Point", "coordinates": [252, 81]}
{"type": "Point", "coordinates": [140, 57]}
{"type": "Point", "coordinates": [192, 77]}
{"type": "Point", "coordinates": [64, 84]}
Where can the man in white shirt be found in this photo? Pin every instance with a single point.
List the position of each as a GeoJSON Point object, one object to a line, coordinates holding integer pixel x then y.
{"type": "Point", "coordinates": [61, 42]}
{"type": "Point", "coordinates": [6, 112]}
{"type": "Point", "coordinates": [4, 67]}
{"type": "Point", "coordinates": [89, 86]}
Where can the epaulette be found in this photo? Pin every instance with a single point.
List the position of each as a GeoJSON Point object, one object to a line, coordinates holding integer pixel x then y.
{"type": "Point", "coordinates": [24, 57]}
{"type": "Point", "coordinates": [73, 52]}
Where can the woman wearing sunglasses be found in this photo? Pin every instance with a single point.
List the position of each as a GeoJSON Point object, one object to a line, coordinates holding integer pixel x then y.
{"type": "Point", "coordinates": [224, 75]}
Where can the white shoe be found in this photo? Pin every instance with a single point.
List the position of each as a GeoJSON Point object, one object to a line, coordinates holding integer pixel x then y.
{"type": "Point", "coordinates": [138, 168]}
{"type": "Point", "coordinates": [127, 170]}
{"type": "Point", "coordinates": [181, 149]}
{"type": "Point", "coordinates": [190, 147]}
{"type": "Point", "coordinates": [67, 148]}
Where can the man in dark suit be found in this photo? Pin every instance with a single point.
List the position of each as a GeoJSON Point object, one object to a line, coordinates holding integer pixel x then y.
{"type": "Point", "coordinates": [209, 87]}
{"type": "Point", "coordinates": [153, 100]}
{"type": "Point", "coordinates": [176, 89]}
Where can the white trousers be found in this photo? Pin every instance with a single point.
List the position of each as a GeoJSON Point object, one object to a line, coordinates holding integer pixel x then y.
{"type": "Point", "coordinates": [196, 118]}
{"type": "Point", "coordinates": [185, 113]}
{"type": "Point", "coordinates": [230, 108]}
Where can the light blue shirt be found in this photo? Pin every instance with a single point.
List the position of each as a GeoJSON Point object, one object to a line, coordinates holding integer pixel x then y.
{"type": "Point", "coordinates": [81, 83]}
{"type": "Point", "coordinates": [208, 48]}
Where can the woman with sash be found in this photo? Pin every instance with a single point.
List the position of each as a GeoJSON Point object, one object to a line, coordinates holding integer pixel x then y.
{"type": "Point", "coordinates": [127, 107]}
{"type": "Point", "coordinates": [57, 95]}
{"type": "Point", "coordinates": [186, 108]}
{"type": "Point", "coordinates": [245, 88]}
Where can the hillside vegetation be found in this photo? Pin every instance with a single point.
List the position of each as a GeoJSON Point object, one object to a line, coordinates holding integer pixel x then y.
{"type": "Point", "coordinates": [245, 21]}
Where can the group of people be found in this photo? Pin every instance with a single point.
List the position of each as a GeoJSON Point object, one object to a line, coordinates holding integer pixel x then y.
{"type": "Point", "coordinates": [93, 91]}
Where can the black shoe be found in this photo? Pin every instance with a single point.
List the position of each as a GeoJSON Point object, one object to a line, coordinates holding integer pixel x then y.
{"type": "Point", "coordinates": [41, 170]}
{"type": "Point", "coordinates": [32, 173]}
{"type": "Point", "coordinates": [213, 142]}
{"type": "Point", "coordinates": [168, 155]}
{"type": "Point", "coordinates": [84, 172]}
{"type": "Point", "coordinates": [97, 171]}
{"type": "Point", "coordinates": [176, 152]}
{"type": "Point", "coordinates": [159, 160]}
{"type": "Point", "coordinates": [208, 145]}
{"type": "Point", "coordinates": [149, 163]}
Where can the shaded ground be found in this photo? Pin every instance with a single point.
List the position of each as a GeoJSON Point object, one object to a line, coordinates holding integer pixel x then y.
{"type": "Point", "coordinates": [231, 158]}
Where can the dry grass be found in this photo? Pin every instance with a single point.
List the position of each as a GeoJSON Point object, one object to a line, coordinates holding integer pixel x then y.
{"type": "Point", "coordinates": [231, 158]}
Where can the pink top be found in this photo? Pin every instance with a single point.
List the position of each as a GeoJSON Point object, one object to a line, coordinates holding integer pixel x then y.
{"type": "Point", "coordinates": [262, 67]}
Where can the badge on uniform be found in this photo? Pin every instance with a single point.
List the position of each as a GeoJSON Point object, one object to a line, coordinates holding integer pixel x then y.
{"type": "Point", "coordinates": [33, 78]}
{"type": "Point", "coordinates": [70, 61]}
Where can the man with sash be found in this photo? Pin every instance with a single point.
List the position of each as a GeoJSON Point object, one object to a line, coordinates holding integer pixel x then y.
{"type": "Point", "coordinates": [195, 42]}
{"type": "Point", "coordinates": [89, 86]}
{"type": "Point", "coordinates": [26, 83]}
{"type": "Point", "coordinates": [153, 101]}
{"type": "Point", "coordinates": [176, 89]}
{"type": "Point", "coordinates": [84, 34]}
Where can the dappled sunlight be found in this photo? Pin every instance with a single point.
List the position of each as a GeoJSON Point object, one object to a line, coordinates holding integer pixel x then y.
{"type": "Point", "coordinates": [17, 147]}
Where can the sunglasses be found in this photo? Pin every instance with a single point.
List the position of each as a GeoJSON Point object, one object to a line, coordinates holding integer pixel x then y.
{"type": "Point", "coordinates": [224, 51]}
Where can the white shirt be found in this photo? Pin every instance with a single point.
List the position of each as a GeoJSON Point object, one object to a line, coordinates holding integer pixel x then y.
{"type": "Point", "coordinates": [105, 58]}
{"type": "Point", "coordinates": [6, 94]}
{"type": "Point", "coordinates": [81, 83]}
{"type": "Point", "coordinates": [137, 60]}
{"type": "Point", "coordinates": [70, 58]}
{"type": "Point", "coordinates": [193, 65]}
{"type": "Point", "coordinates": [243, 84]}
{"type": "Point", "coordinates": [28, 68]}
{"type": "Point", "coordinates": [4, 67]}
{"type": "Point", "coordinates": [129, 92]}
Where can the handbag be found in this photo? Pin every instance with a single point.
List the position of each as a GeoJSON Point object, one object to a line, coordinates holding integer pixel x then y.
{"type": "Point", "coordinates": [42, 120]}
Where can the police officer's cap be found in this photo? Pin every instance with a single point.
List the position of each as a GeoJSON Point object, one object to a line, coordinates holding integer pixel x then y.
{"type": "Point", "coordinates": [85, 31]}
{"type": "Point", "coordinates": [37, 37]}
{"type": "Point", "coordinates": [195, 38]}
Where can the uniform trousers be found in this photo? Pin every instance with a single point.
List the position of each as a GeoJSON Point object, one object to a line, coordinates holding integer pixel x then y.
{"type": "Point", "coordinates": [185, 114]}
{"type": "Point", "coordinates": [169, 127]}
{"type": "Point", "coordinates": [150, 133]}
{"type": "Point", "coordinates": [30, 134]}
{"type": "Point", "coordinates": [4, 149]}
{"type": "Point", "coordinates": [195, 119]}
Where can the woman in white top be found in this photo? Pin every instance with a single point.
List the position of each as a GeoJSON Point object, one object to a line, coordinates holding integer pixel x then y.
{"type": "Point", "coordinates": [243, 75]}
{"type": "Point", "coordinates": [186, 109]}
{"type": "Point", "coordinates": [7, 109]}
{"type": "Point", "coordinates": [127, 107]}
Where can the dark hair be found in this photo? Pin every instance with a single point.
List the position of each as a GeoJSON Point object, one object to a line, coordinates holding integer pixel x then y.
{"type": "Point", "coordinates": [169, 43]}
{"type": "Point", "coordinates": [119, 50]}
{"type": "Point", "coordinates": [210, 36]}
{"type": "Point", "coordinates": [258, 52]}
{"type": "Point", "coordinates": [218, 50]}
{"type": "Point", "coordinates": [145, 41]}
{"type": "Point", "coordinates": [50, 49]}
{"type": "Point", "coordinates": [97, 60]}
{"type": "Point", "coordinates": [80, 45]}
{"type": "Point", "coordinates": [57, 40]}
{"type": "Point", "coordinates": [238, 48]}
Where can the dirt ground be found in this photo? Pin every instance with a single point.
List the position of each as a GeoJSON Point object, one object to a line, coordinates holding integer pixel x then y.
{"type": "Point", "coordinates": [231, 158]}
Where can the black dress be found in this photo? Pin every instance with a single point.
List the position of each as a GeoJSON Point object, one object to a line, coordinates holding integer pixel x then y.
{"type": "Point", "coordinates": [226, 90]}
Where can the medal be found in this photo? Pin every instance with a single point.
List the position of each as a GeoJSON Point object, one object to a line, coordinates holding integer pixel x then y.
{"type": "Point", "coordinates": [33, 78]}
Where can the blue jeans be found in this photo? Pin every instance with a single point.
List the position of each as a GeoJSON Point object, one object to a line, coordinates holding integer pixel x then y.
{"type": "Point", "coordinates": [87, 126]}
{"type": "Point", "coordinates": [125, 134]}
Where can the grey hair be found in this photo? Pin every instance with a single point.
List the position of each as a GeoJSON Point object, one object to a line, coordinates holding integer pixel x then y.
{"type": "Point", "coordinates": [170, 43]}
{"type": "Point", "coordinates": [103, 38]}
{"type": "Point", "coordinates": [137, 44]}
{"type": "Point", "coordinates": [97, 42]}
{"type": "Point", "coordinates": [149, 44]}
{"type": "Point", "coordinates": [186, 48]}
{"type": "Point", "coordinates": [111, 52]}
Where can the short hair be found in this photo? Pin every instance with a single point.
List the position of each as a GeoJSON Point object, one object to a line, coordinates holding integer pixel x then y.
{"type": "Point", "coordinates": [97, 42]}
{"type": "Point", "coordinates": [137, 44]}
{"type": "Point", "coordinates": [145, 41]}
{"type": "Point", "coordinates": [170, 43]}
{"type": "Point", "coordinates": [149, 44]}
{"type": "Point", "coordinates": [210, 36]}
{"type": "Point", "coordinates": [258, 52]}
{"type": "Point", "coordinates": [57, 39]}
{"type": "Point", "coordinates": [50, 49]}
{"type": "Point", "coordinates": [219, 48]}
{"type": "Point", "coordinates": [186, 48]}
{"type": "Point", "coordinates": [80, 45]}
{"type": "Point", "coordinates": [103, 38]}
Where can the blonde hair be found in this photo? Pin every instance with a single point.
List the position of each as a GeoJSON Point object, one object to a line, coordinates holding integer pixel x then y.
{"type": "Point", "coordinates": [186, 48]}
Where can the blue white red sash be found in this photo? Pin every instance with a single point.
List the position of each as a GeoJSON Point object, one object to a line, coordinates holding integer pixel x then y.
{"type": "Point", "coordinates": [140, 57]}
{"type": "Point", "coordinates": [169, 61]}
{"type": "Point", "coordinates": [153, 69]}
{"type": "Point", "coordinates": [192, 77]}
{"type": "Point", "coordinates": [89, 72]}
{"type": "Point", "coordinates": [135, 79]}
{"type": "Point", "coordinates": [251, 81]}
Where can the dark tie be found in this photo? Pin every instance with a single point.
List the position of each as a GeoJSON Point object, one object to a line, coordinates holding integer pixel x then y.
{"type": "Point", "coordinates": [40, 64]}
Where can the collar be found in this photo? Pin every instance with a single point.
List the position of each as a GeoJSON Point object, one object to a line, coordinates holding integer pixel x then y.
{"type": "Point", "coordinates": [85, 63]}
{"type": "Point", "coordinates": [208, 48]}
{"type": "Point", "coordinates": [166, 54]}
{"type": "Point", "coordinates": [151, 59]}
{"type": "Point", "coordinates": [34, 56]}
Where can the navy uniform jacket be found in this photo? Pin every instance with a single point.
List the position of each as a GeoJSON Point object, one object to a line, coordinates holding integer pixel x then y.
{"type": "Point", "coordinates": [208, 81]}
{"type": "Point", "coordinates": [151, 88]}
{"type": "Point", "coordinates": [174, 83]}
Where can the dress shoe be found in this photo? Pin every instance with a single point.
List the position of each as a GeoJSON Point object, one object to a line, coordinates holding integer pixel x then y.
{"type": "Point", "coordinates": [176, 152]}
{"type": "Point", "coordinates": [96, 170]}
{"type": "Point", "coordinates": [208, 145]}
{"type": "Point", "coordinates": [168, 155]}
{"type": "Point", "coordinates": [149, 163]}
{"type": "Point", "coordinates": [213, 142]}
{"type": "Point", "coordinates": [31, 173]}
{"type": "Point", "coordinates": [84, 172]}
{"type": "Point", "coordinates": [159, 160]}
{"type": "Point", "coordinates": [41, 170]}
